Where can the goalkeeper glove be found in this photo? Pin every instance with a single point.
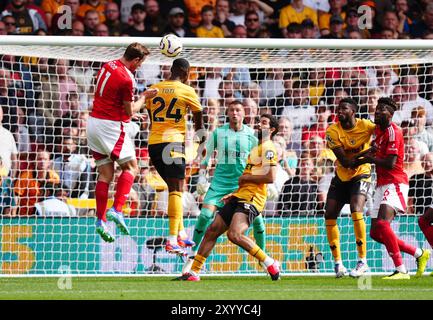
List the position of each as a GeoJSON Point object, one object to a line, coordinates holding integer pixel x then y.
{"type": "Point", "coordinates": [272, 192]}
{"type": "Point", "coordinates": [202, 183]}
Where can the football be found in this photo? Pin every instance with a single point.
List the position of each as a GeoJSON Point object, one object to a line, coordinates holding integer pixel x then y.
{"type": "Point", "coordinates": [170, 45]}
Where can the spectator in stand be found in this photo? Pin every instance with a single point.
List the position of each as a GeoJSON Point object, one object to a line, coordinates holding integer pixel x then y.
{"type": "Point", "coordinates": [194, 9]}
{"type": "Point", "coordinates": [154, 21]}
{"type": "Point", "coordinates": [51, 8]}
{"type": "Point", "coordinates": [373, 97]}
{"type": "Point", "coordinates": [421, 187]}
{"type": "Point", "coordinates": [138, 27]}
{"type": "Point", "coordinates": [77, 29]}
{"type": "Point", "coordinates": [206, 28]}
{"type": "Point", "coordinates": [273, 84]}
{"type": "Point", "coordinates": [239, 9]}
{"type": "Point", "coordinates": [321, 6]}
{"type": "Point", "coordinates": [227, 94]}
{"type": "Point", "coordinates": [317, 85]}
{"type": "Point", "coordinates": [352, 26]}
{"type": "Point", "coordinates": [84, 76]}
{"type": "Point", "coordinates": [91, 20]}
{"type": "Point", "coordinates": [296, 12]}
{"type": "Point", "coordinates": [390, 22]}
{"type": "Point", "coordinates": [239, 31]}
{"type": "Point", "coordinates": [294, 31]}
{"type": "Point", "coordinates": [410, 84]}
{"type": "Point", "coordinates": [262, 9]}
{"type": "Point", "coordinates": [251, 110]}
{"type": "Point", "coordinates": [299, 194]}
{"type": "Point", "coordinates": [10, 25]}
{"type": "Point", "coordinates": [28, 19]}
{"type": "Point", "coordinates": [412, 157]}
{"type": "Point", "coordinates": [336, 28]}
{"type": "Point", "coordinates": [298, 109]}
{"type": "Point", "coordinates": [7, 197]}
{"type": "Point", "coordinates": [72, 106]}
{"type": "Point", "coordinates": [8, 150]}
{"type": "Point", "coordinates": [419, 118]}
{"type": "Point", "coordinates": [288, 160]}
{"type": "Point", "coordinates": [253, 25]}
{"type": "Point", "coordinates": [425, 25]}
{"type": "Point", "coordinates": [222, 17]}
{"type": "Point", "coordinates": [112, 19]}
{"type": "Point", "coordinates": [210, 116]}
{"type": "Point", "coordinates": [319, 127]}
{"type": "Point", "coordinates": [59, 29]}
{"type": "Point", "coordinates": [403, 12]}
{"type": "Point", "coordinates": [53, 203]}
{"type": "Point", "coordinates": [308, 29]}
{"type": "Point", "coordinates": [73, 169]}
{"type": "Point", "coordinates": [388, 34]}
{"type": "Point", "coordinates": [316, 149]}
{"type": "Point", "coordinates": [336, 9]}
{"type": "Point", "coordinates": [101, 30]}
{"type": "Point", "coordinates": [93, 5]}
{"type": "Point", "coordinates": [22, 135]}
{"type": "Point", "coordinates": [30, 186]}
{"type": "Point", "coordinates": [285, 129]}
{"type": "Point", "coordinates": [210, 82]}
{"type": "Point", "coordinates": [176, 23]}
{"type": "Point", "coordinates": [383, 78]}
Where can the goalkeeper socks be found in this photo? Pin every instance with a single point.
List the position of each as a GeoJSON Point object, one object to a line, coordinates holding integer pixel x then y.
{"type": "Point", "coordinates": [360, 234]}
{"type": "Point", "coordinates": [101, 195]}
{"type": "Point", "coordinates": [384, 232]}
{"type": "Point", "coordinates": [203, 221]}
{"type": "Point", "coordinates": [333, 238]}
{"type": "Point", "coordinates": [427, 229]}
{"type": "Point", "coordinates": [258, 253]}
{"type": "Point", "coordinates": [175, 212]}
{"type": "Point", "coordinates": [259, 231]}
{"type": "Point", "coordinates": [124, 184]}
{"type": "Point", "coordinates": [198, 263]}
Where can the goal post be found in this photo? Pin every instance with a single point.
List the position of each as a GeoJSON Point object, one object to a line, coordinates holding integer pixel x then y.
{"type": "Point", "coordinates": [46, 91]}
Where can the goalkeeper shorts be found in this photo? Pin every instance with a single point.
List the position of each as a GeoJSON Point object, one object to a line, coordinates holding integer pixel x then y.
{"type": "Point", "coordinates": [215, 193]}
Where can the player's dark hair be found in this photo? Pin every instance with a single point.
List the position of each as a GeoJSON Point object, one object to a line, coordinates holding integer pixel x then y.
{"type": "Point", "coordinates": [180, 67]}
{"type": "Point", "coordinates": [273, 122]}
{"type": "Point", "coordinates": [388, 102]}
{"type": "Point", "coordinates": [234, 102]}
{"type": "Point", "coordinates": [135, 50]}
{"type": "Point", "coordinates": [351, 102]}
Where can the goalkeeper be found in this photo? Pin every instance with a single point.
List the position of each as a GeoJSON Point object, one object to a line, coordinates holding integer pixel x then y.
{"type": "Point", "coordinates": [233, 143]}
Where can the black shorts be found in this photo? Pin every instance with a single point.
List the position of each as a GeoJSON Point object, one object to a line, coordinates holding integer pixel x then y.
{"type": "Point", "coordinates": [168, 159]}
{"type": "Point", "coordinates": [342, 191]}
{"type": "Point", "coordinates": [235, 205]}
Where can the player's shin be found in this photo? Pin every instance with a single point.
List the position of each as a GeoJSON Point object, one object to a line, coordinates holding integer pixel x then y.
{"type": "Point", "coordinates": [197, 265]}
{"type": "Point", "coordinates": [259, 232]}
{"type": "Point", "coordinates": [427, 228]}
{"type": "Point", "coordinates": [175, 213]}
{"type": "Point", "coordinates": [203, 222]}
{"type": "Point", "coordinates": [360, 234]}
{"type": "Point", "coordinates": [124, 184]}
{"type": "Point", "coordinates": [333, 235]}
{"type": "Point", "coordinates": [101, 195]}
{"type": "Point", "coordinates": [260, 255]}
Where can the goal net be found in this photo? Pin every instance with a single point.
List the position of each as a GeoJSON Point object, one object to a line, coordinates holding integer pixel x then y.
{"type": "Point", "coordinates": [47, 208]}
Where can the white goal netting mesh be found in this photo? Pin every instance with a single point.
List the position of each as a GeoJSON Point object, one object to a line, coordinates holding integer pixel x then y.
{"type": "Point", "coordinates": [47, 208]}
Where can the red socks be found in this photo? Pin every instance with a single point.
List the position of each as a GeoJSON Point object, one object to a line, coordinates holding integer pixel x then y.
{"type": "Point", "coordinates": [101, 194]}
{"type": "Point", "coordinates": [124, 185]}
{"type": "Point", "coordinates": [383, 233]}
{"type": "Point", "coordinates": [427, 229]}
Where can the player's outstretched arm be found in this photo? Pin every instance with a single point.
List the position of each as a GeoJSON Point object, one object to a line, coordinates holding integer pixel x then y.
{"type": "Point", "coordinates": [132, 107]}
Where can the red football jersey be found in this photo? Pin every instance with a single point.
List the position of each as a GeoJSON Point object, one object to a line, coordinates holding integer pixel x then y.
{"type": "Point", "coordinates": [114, 84]}
{"type": "Point", "coordinates": [390, 142]}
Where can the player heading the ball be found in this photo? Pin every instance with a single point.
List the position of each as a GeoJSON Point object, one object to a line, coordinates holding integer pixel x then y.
{"type": "Point", "coordinates": [107, 137]}
{"type": "Point", "coordinates": [167, 112]}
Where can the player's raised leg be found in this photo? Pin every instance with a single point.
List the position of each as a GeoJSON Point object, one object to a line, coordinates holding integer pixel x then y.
{"type": "Point", "coordinates": [105, 176]}
{"type": "Point", "coordinates": [123, 188]}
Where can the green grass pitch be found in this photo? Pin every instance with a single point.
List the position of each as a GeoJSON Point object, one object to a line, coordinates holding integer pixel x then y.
{"type": "Point", "coordinates": [215, 288]}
